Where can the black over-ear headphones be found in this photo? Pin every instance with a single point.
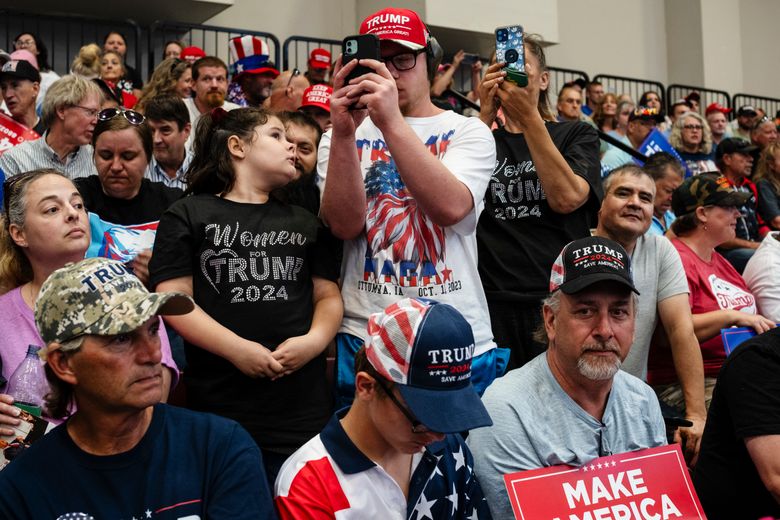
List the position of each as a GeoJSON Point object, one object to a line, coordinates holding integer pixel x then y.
{"type": "Point", "coordinates": [433, 54]}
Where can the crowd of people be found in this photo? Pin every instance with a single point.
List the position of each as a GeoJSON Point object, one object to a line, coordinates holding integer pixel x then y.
{"type": "Point", "coordinates": [385, 301]}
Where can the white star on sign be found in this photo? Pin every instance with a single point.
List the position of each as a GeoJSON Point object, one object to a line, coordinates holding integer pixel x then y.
{"type": "Point", "coordinates": [585, 468]}
{"type": "Point", "coordinates": [423, 508]}
{"type": "Point", "coordinates": [599, 465]}
{"type": "Point", "coordinates": [239, 68]}
{"type": "Point", "coordinates": [592, 467]}
{"type": "Point", "coordinates": [148, 513]}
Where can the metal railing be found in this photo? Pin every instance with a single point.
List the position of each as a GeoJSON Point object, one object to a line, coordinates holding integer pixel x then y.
{"type": "Point", "coordinates": [632, 86]}
{"type": "Point", "coordinates": [708, 96]}
{"type": "Point", "coordinates": [212, 39]}
{"type": "Point", "coordinates": [296, 50]}
{"type": "Point", "coordinates": [768, 104]}
{"type": "Point", "coordinates": [64, 35]}
{"type": "Point", "coordinates": [559, 77]}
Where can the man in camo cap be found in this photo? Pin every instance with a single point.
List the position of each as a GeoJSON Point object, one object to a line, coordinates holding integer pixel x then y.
{"type": "Point", "coordinates": [122, 454]}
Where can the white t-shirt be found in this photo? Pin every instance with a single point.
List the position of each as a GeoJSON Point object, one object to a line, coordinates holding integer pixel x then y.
{"type": "Point", "coordinates": [658, 274]}
{"type": "Point", "coordinates": [762, 274]}
{"type": "Point", "coordinates": [401, 253]}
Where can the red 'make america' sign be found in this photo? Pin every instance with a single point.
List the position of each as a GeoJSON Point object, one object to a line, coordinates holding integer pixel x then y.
{"type": "Point", "coordinates": [651, 484]}
{"type": "Point", "coordinates": [13, 133]}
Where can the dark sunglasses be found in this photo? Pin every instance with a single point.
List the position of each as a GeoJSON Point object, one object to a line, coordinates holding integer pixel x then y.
{"type": "Point", "coordinates": [133, 117]}
{"type": "Point", "coordinates": [760, 122]}
{"type": "Point", "coordinates": [417, 426]}
{"type": "Point", "coordinates": [295, 72]}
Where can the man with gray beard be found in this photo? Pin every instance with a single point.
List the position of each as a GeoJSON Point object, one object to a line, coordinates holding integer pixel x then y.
{"type": "Point", "coordinates": [571, 404]}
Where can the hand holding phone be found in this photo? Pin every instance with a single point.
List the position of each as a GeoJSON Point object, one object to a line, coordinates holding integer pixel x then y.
{"type": "Point", "coordinates": [510, 50]}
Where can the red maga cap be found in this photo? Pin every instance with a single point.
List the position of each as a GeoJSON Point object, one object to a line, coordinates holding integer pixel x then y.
{"type": "Point", "coordinates": [399, 25]}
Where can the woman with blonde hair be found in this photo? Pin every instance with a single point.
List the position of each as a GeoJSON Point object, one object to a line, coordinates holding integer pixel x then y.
{"type": "Point", "coordinates": [623, 112]}
{"type": "Point", "coordinates": [87, 63]}
{"type": "Point", "coordinates": [172, 77]}
{"type": "Point", "coordinates": [767, 179]}
{"type": "Point", "coordinates": [692, 139]}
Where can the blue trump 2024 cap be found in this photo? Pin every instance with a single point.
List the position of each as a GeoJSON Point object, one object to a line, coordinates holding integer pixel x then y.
{"type": "Point", "coordinates": [425, 347]}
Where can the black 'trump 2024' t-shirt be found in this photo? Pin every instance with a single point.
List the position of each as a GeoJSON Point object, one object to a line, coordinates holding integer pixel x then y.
{"type": "Point", "coordinates": [519, 236]}
{"type": "Point", "coordinates": [251, 268]}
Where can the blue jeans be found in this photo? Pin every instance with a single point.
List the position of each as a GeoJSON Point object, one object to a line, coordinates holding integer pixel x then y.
{"type": "Point", "coordinates": [485, 368]}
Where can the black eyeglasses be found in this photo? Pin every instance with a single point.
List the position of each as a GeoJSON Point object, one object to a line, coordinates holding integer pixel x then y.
{"type": "Point", "coordinates": [403, 61]}
{"type": "Point", "coordinates": [692, 127]}
{"type": "Point", "coordinates": [133, 117]}
{"type": "Point", "coordinates": [417, 426]}
{"type": "Point", "coordinates": [295, 72]}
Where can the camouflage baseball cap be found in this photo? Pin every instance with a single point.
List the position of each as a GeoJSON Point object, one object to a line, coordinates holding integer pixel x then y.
{"type": "Point", "coordinates": [706, 189]}
{"type": "Point", "coordinates": [99, 296]}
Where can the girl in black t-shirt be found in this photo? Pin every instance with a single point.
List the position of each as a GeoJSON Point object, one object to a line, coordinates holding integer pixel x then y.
{"type": "Point", "coordinates": [262, 274]}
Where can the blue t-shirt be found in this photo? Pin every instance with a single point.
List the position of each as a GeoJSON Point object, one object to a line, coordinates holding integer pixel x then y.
{"type": "Point", "coordinates": [659, 227]}
{"type": "Point", "coordinates": [187, 465]}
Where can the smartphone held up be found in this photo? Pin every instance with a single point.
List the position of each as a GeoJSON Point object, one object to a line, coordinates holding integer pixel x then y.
{"type": "Point", "coordinates": [510, 50]}
{"type": "Point", "coordinates": [359, 47]}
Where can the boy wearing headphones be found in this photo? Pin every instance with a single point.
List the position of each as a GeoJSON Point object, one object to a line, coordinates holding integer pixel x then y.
{"type": "Point", "coordinates": [403, 184]}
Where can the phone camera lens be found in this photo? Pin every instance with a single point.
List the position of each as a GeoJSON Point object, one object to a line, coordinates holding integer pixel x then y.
{"type": "Point", "coordinates": [351, 47]}
{"type": "Point", "coordinates": [511, 56]}
{"type": "Point", "coordinates": [502, 35]}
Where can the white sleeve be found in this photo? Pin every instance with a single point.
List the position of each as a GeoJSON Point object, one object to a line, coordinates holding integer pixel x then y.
{"type": "Point", "coordinates": [671, 273]}
{"type": "Point", "coordinates": [761, 278]}
{"type": "Point", "coordinates": [471, 157]}
{"type": "Point", "coordinates": [323, 156]}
